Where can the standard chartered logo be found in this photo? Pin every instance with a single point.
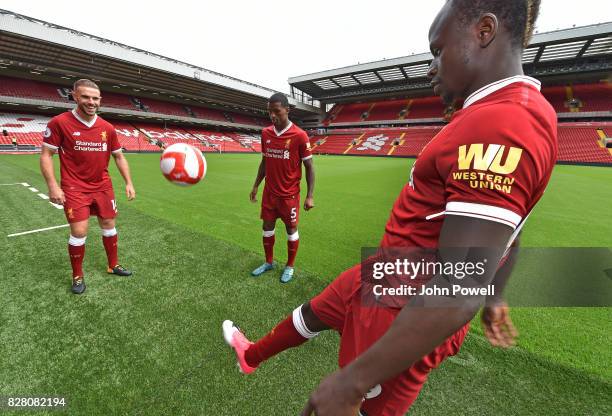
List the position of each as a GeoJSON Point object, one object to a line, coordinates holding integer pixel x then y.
{"type": "Point", "coordinates": [475, 156]}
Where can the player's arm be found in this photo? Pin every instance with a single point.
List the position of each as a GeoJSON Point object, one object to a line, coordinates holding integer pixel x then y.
{"type": "Point", "coordinates": [261, 174]}
{"type": "Point", "coordinates": [417, 330]}
{"type": "Point", "coordinates": [495, 317]}
{"type": "Point", "coordinates": [310, 183]}
{"type": "Point", "coordinates": [56, 195]}
{"type": "Point", "coordinates": [124, 170]}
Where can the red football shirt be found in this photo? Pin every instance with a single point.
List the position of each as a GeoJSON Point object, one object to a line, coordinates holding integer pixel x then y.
{"type": "Point", "coordinates": [284, 152]}
{"type": "Point", "coordinates": [84, 151]}
{"type": "Point", "coordinates": [492, 161]}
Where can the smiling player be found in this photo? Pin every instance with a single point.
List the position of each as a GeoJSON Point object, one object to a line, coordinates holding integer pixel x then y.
{"type": "Point", "coordinates": [85, 143]}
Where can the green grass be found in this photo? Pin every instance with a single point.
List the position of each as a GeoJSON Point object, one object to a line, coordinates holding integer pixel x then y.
{"type": "Point", "coordinates": [151, 345]}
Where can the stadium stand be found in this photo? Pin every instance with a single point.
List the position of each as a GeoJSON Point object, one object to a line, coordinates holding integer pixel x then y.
{"type": "Point", "coordinates": [594, 97]}
{"type": "Point", "coordinates": [581, 142]}
{"type": "Point", "coordinates": [578, 142]}
{"type": "Point", "coordinates": [22, 88]}
{"type": "Point", "coordinates": [28, 129]}
{"type": "Point", "coordinates": [417, 108]}
{"type": "Point", "coordinates": [25, 88]}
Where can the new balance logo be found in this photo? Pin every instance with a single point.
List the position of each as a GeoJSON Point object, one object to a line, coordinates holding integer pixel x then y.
{"type": "Point", "coordinates": [474, 156]}
{"type": "Point", "coordinates": [76, 133]}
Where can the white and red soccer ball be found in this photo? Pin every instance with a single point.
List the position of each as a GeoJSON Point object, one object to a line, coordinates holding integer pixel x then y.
{"type": "Point", "coordinates": [183, 164]}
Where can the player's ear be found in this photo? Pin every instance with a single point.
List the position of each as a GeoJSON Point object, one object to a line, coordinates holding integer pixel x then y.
{"type": "Point", "coordinates": [486, 29]}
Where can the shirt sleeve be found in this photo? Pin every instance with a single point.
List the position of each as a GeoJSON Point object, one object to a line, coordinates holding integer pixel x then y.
{"type": "Point", "coordinates": [493, 170]}
{"type": "Point", "coordinates": [304, 148]}
{"type": "Point", "coordinates": [263, 142]}
{"type": "Point", "coordinates": [115, 146]}
{"type": "Point", "coordinates": [52, 137]}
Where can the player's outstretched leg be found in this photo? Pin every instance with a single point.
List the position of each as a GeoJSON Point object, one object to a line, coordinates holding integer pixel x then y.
{"type": "Point", "coordinates": [293, 242]}
{"type": "Point", "coordinates": [76, 251]}
{"type": "Point", "coordinates": [291, 332]}
{"type": "Point", "coordinates": [268, 244]}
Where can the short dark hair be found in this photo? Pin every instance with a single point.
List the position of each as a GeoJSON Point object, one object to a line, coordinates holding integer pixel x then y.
{"type": "Point", "coordinates": [85, 83]}
{"type": "Point", "coordinates": [279, 97]}
{"type": "Point", "coordinates": [517, 16]}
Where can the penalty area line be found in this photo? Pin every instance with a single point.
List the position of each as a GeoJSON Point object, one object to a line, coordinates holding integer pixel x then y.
{"type": "Point", "coordinates": [38, 231]}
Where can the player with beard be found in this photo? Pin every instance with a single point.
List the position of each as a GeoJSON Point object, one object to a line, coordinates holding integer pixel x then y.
{"type": "Point", "coordinates": [85, 144]}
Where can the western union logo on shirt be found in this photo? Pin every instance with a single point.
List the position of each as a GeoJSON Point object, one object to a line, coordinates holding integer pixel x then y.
{"type": "Point", "coordinates": [487, 168]}
{"type": "Point", "coordinates": [491, 159]}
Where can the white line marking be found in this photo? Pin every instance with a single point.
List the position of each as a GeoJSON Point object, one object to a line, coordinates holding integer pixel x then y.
{"type": "Point", "coordinates": [27, 185]}
{"type": "Point", "coordinates": [39, 230]}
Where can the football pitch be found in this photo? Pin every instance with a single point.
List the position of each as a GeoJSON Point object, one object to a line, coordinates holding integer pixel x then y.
{"type": "Point", "coordinates": [152, 344]}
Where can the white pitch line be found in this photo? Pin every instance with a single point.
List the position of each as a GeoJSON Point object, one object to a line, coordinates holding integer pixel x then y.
{"type": "Point", "coordinates": [39, 230]}
{"type": "Point", "coordinates": [33, 189]}
{"type": "Point", "coordinates": [56, 205]}
{"type": "Point", "coordinates": [10, 184]}
{"type": "Point", "coordinates": [43, 196]}
{"type": "Point", "coordinates": [25, 184]}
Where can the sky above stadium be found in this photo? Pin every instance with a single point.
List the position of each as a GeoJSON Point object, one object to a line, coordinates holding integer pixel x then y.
{"type": "Point", "coordinates": [267, 42]}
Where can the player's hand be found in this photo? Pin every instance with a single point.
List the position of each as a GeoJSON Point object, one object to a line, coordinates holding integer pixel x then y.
{"type": "Point", "coordinates": [253, 195]}
{"type": "Point", "coordinates": [56, 195]}
{"type": "Point", "coordinates": [130, 192]}
{"type": "Point", "coordinates": [337, 395]}
{"type": "Point", "coordinates": [498, 326]}
{"type": "Point", "coordinates": [309, 203]}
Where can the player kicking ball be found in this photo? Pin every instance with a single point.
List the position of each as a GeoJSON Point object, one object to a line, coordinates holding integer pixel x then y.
{"type": "Point", "coordinates": [284, 147]}
{"type": "Point", "coordinates": [85, 143]}
{"type": "Point", "coordinates": [506, 132]}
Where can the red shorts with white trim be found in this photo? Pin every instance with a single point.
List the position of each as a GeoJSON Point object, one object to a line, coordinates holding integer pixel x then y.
{"type": "Point", "coordinates": [339, 307]}
{"type": "Point", "coordinates": [79, 206]}
{"type": "Point", "coordinates": [285, 208]}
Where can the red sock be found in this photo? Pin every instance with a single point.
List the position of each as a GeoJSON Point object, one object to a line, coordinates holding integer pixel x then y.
{"type": "Point", "coordinates": [282, 337]}
{"type": "Point", "coordinates": [110, 245]}
{"type": "Point", "coordinates": [268, 243]}
{"type": "Point", "coordinates": [77, 253]}
{"type": "Point", "coordinates": [292, 249]}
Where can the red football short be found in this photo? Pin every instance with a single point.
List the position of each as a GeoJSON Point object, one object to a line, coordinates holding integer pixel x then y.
{"type": "Point", "coordinates": [339, 306]}
{"type": "Point", "coordinates": [287, 209]}
{"type": "Point", "coordinates": [80, 205]}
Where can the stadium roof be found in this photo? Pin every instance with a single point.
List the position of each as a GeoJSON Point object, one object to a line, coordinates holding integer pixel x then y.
{"type": "Point", "coordinates": [586, 49]}
{"type": "Point", "coordinates": [40, 47]}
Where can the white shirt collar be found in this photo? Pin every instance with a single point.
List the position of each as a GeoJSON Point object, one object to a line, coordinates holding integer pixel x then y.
{"type": "Point", "coordinates": [498, 85]}
{"type": "Point", "coordinates": [280, 133]}
{"type": "Point", "coordinates": [88, 124]}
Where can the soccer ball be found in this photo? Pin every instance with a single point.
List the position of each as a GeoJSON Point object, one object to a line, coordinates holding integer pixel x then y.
{"type": "Point", "coordinates": [183, 164]}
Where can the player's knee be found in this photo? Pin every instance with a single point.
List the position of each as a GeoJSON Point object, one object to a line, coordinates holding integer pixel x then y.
{"type": "Point", "coordinates": [107, 223]}
{"type": "Point", "coordinates": [78, 230]}
{"type": "Point", "coordinates": [292, 231]}
{"type": "Point", "coordinates": [269, 225]}
{"type": "Point", "coordinates": [312, 321]}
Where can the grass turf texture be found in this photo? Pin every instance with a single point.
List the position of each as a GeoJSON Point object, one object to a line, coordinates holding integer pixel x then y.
{"type": "Point", "coordinates": [152, 344]}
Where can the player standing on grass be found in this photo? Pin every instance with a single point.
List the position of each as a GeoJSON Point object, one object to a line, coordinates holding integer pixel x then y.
{"type": "Point", "coordinates": [85, 143]}
{"type": "Point", "coordinates": [505, 134]}
{"type": "Point", "coordinates": [284, 147]}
